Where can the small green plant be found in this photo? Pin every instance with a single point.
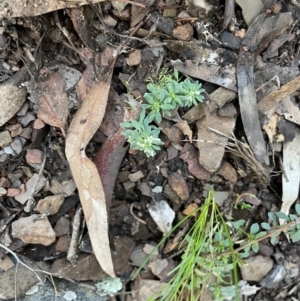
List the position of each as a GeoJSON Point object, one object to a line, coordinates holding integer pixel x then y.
{"type": "Point", "coordinates": [168, 94]}
{"type": "Point", "coordinates": [239, 201]}
{"type": "Point", "coordinates": [141, 135]}
{"type": "Point", "coordinates": [214, 248]}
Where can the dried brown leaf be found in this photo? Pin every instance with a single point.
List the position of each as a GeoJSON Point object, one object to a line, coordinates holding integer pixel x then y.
{"type": "Point", "coordinates": [25, 8]}
{"type": "Point", "coordinates": [52, 100]}
{"type": "Point", "coordinates": [82, 128]}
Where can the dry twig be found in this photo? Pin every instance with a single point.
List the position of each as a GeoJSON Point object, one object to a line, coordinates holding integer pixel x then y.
{"type": "Point", "coordinates": [72, 255]}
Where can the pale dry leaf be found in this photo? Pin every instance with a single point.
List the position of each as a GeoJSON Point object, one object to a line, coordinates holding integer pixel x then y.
{"type": "Point", "coordinates": [82, 128]}
{"type": "Point", "coordinates": [162, 215]}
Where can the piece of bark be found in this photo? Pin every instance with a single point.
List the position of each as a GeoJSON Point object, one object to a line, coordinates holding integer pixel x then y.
{"type": "Point", "coordinates": [225, 77]}
{"type": "Point", "coordinates": [268, 104]}
{"type": "Point", "coordinates": [247, 93]}
{"type": "Point", "coordinates": [229, 14]}
{"type": "Point", "coordinates": [271, 28]}
{"type": "Point", "coordinates": [166, 25]}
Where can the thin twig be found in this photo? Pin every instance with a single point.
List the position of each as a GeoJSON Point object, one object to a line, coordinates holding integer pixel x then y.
{"type": "Point", "coordinates": [72, 252]}
{"type": "Point", "coordinates": [137, 218]}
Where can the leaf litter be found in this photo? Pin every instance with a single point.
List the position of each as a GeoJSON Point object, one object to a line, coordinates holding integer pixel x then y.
{"type": "Point", "coordinates": [217, 153]}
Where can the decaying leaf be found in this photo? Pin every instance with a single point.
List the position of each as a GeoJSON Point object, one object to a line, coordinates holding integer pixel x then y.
{"type": "Point", "coordinates": [51, 99]}
{"type": "Point", "coordinates": [89, 58]}
{"type": "Point", "coordinates": [291, 176]}
{"type": "Point", "coordinates": [25, 278]}
{"type": "Point", "coordinates": [189, 156]}
{"type": "Point", "coordinates": [163, 215]}
{"type": "Point", "coordinates": [82, 128]}
{"type": "Point", "coordinates": [24, 8]}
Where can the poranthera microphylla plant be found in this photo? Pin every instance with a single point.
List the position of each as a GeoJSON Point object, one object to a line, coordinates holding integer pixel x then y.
{"type": "Point", "coordinates": [168, 94]}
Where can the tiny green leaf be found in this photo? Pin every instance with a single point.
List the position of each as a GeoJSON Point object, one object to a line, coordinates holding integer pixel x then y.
{"type": "Point", "coordinates": [282, 215]}
{"type": "Point", "coordinates": [254, 228]}
{"type": "Point", "coordinates": [260, 234]}
{"type": "Point", "coordinates": [265, 226]}
{"type": "Point", "coordinates": [293, 217]}
{"type": "Point", "coordinates": [255, 247]}
{"type": "Point", "coordinates": [272, 217]}
{"type": "Point", "coordinates": [297, 208]}
{"type": "Point", "coordinates": [296, 236]}
{"type": "Point", "coordinates": [273, 240]}
{"type": "Point", "coordinates": [238, 224]}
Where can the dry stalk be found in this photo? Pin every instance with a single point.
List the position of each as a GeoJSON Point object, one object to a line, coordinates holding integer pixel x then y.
{"type": "Point", "coordinates": [72, 252]}
{"type": "Point", "coordinates": [242, 150]}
